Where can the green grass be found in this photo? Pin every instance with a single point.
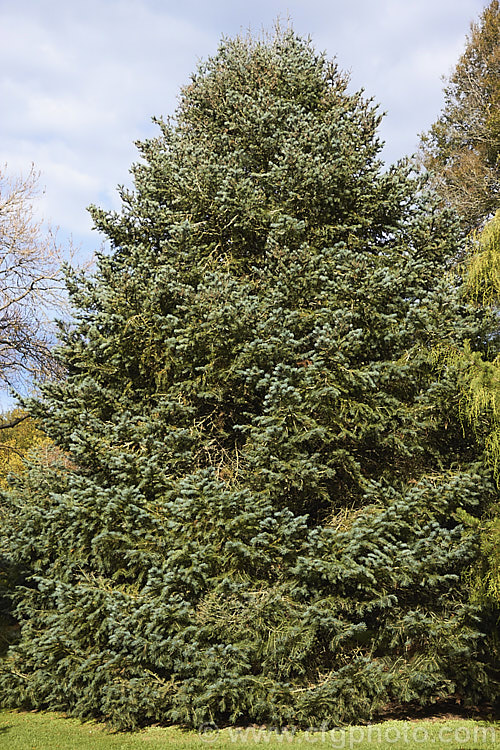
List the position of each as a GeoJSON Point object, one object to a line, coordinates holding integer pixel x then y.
{"type": "Point", "coordinates": [50, 731]}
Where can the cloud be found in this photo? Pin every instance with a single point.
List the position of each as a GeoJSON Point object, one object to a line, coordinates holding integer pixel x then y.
{"type": "Point", "coordinates": [81, 83]}
{"type": "Point", "coordinates": [80, 80]}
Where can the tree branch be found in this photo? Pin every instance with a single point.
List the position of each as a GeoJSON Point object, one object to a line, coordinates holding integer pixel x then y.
{"type": "Point", "coordinates": [14, 422]}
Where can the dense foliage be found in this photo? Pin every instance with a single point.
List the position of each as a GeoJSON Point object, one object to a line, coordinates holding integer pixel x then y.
{"type": "Point", "coordinates": [462, 149]}
{"type": "Point", "coordinates": [16, 442]}
{"type": "Point", "coordinates": [262, 520]}
{"type": "Point", "coordinates": [463, 146]}
{"type": "Point", "coordinates": [480, 402]}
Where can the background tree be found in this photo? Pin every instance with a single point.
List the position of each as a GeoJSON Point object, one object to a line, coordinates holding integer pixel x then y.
{"type": "Point", "coordinates": [462, 148]}
{"type": "Point", "coordinates": [261, 522]}
{"type": "Point", "coordinates": [31, 285]}
{"type": "Point", "coordinates": [481, 372]}
{"type": "Point", "coordinates": [463, 151]}
{"type": "Point", "coordinates": [31, 293]}
{"type": "Point", "coordinates": [16, 442]}
{"type": "Point", "coordinates": [480, 401]}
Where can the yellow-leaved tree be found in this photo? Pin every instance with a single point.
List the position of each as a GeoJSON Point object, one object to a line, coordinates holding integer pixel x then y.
{"type": "Point", "coordinates": [17, 441]}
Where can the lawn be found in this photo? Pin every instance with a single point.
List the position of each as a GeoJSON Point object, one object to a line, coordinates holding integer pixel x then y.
{"type": "Point", "coordinates": [50, 731]}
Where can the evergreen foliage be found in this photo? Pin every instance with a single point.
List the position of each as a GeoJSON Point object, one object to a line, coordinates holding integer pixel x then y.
{"type": "Point", "coordinates": [462, 149]}
{"type": "Point", "coordinates": [483, 277]}
{"type": "Point", "coordinates": [16, 444]}
{"type": "Point", "coordinates": [480, 401]}
{"type": "Point", "coordinates": [262, 520]}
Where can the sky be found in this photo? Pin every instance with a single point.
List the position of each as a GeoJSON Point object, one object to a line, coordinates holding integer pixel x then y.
{"type": "Point", "coordinates": [80, 80]}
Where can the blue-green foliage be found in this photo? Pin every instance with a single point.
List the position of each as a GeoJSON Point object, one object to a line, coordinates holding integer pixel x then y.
{"type": "Point", "coordinates": [259, 522]}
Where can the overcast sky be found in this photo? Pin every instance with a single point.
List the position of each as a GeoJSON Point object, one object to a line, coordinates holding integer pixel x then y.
{"type": "Point", "coordinates": [81, 79]}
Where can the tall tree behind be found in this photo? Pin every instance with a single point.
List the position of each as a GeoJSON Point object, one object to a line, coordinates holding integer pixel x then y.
{"type": "Point", "coordinates": [462, 148]}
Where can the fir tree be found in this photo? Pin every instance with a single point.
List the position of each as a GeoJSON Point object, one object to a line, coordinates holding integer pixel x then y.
{"type": "Point", "coordinates": [260, 520]}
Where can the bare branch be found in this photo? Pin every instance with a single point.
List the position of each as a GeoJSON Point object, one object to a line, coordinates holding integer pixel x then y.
{"type": "Point", "coordinates": [32, 289]}
{"type": "Point", "coordinates": [14, 422]}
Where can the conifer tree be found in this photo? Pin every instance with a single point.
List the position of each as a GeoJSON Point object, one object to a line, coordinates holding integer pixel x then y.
{"type": "Point", "coordinates": [261, 520]}
{"type": "Point", "coordinates": [462, 149]}
{"type": "Point", "coordinates": [480, 402]}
